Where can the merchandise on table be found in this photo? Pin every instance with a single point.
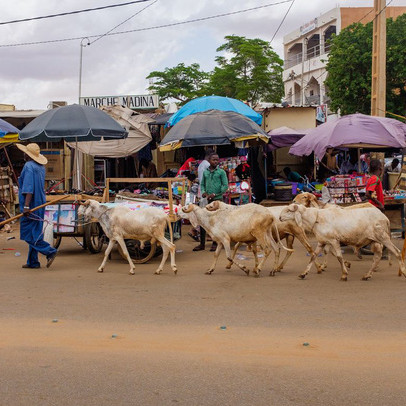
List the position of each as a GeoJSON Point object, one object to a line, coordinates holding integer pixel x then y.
{"type": "Point", "coordinates": [137, 205]}
{"type": "Point", "coordinates": [346, 188]}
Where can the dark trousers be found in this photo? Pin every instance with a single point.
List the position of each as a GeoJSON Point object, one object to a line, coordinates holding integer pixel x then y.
{"type": "Point", "coordinates": [202, 236]}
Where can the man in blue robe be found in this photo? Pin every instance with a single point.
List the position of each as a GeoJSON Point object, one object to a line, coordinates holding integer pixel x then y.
{"type": "Point", "coordinates": [32, 194]}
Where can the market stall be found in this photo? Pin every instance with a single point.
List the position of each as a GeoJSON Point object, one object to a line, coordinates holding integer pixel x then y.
{"type": "Point", "coordinates": [361, 133]}
{"type": "Point", "coordinates": [217, 128]}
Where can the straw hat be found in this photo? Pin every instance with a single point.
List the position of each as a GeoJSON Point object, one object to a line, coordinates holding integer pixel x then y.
{"type": "Point", "coordinates": [33, 151]}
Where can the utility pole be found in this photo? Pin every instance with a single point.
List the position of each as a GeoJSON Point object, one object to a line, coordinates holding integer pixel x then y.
{"type": "Point", "coordinates": [378, 89]}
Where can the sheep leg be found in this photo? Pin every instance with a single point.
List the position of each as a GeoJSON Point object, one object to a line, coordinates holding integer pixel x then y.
{"type": "Point", "coordinates": [127, 255]}
{"type": "Point", "coordinates": [347, 264]}
{"type": "Point", "coordinates": [268, 244]}
{"type": "Point", "coordinates": [357, 252]}
{"type": "Point", "coordinates": [377, 250]}
{"type": "Point", "coordinates": [254, 250]}
{"type": "Point", "coordinates": [167, 247]}
{"type": "Point", "coordinates": [106, 255]}
{"type": "Point", "coordinates": [386, 241]}
{"type": "Point", "coordinates": [336, 250]}
{"type": "Point", "coordinates": [229, 257]}
{"type": "Point", "coordinates": [313, 257]}
{"type": "Point", "coordinates": [289, 243]}
{"type": "Point", "coordinates": [216, 256]}
{"type": "Point", "coordinates": [236, 246]}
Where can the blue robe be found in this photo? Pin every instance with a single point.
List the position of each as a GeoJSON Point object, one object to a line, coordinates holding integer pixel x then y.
{"type": "Point", "coordinates": [32, 180]}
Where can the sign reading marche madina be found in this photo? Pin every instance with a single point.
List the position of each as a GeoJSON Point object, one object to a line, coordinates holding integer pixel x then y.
{"type": "Point", "coordinates": [147, 101]}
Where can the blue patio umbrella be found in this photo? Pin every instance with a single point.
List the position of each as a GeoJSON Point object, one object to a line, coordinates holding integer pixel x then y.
{"type": "Point", "coordinates": [214, 103]}
{"type": "Point", "coordinates": [7, 128]}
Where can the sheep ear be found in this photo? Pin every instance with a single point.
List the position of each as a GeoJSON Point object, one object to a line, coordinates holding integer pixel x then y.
{"type": "Point", "coordinates": [298, 219]}
{"type": "Point", "coordinates": [294, 207]}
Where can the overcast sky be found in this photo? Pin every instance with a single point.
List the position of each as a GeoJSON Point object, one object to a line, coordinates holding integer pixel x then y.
{"type": "Point", "coordinates": [33, 75]}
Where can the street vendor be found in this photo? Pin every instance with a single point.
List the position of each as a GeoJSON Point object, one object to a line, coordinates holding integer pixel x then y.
{"type": "Point", "coordinates": [213, 186]}
{"type": "Point", "coordinates": [32, 194]}
{"type": "Point", "coordinates": [374, 190]}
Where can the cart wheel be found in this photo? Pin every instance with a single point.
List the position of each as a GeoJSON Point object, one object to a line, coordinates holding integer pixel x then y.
{"type": "Point", "coordinates": [93, 237]}
{"type": "Point", "coordinates": [138, 255]}
{"type": "Point", "coordinates": [57, 241]}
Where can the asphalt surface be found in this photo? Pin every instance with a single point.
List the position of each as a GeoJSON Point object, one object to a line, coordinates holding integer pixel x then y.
{"type": "Point", "coordinates": [72, 336]}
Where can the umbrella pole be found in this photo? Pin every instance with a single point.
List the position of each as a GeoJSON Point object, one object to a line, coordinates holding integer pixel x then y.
{"type": "Point", "coordinates": [359, 160]}
{"type": "Point", "coordinates": [78, 177]}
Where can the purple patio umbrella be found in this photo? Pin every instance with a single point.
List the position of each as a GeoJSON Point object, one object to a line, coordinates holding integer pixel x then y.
{"type": "Point", "coordinates": [352, 131]}
{"type": "Point", "coordinates": [284, 137]}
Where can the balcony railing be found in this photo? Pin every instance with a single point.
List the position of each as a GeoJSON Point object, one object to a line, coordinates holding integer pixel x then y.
{"type": "Point", "coordinates": [311, 53]}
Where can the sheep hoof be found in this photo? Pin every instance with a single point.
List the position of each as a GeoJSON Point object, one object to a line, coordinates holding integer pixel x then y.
{"type": "Point", "coordinates": [158, 272]}
{"type": "Point", "coordinates": [132, 273]}
{"type": "Point", "coordinates": [365, 278]}
{"type": "Point", "coordinates": [175, 271]}
{"type": "Point", "coordinates": [228, 266]}
{"type": "Point", "coordinates": [348, 264]}
{"type": "Point", "coordinates": [100, 270]}
{"type": "Point", "coordinates": [272, 273]}
{"type": "Point", "coordinates": [359, 256]}
{"type": "Point", "coordinates": [209, 272]}
{"type": "Point", "coordinates": [344, 278]}
{"type": "Point", "coordinates": [302, 276]}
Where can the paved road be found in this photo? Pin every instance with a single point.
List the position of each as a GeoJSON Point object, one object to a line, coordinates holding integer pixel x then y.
{"type": "Point", "coordinates": [71, 336]}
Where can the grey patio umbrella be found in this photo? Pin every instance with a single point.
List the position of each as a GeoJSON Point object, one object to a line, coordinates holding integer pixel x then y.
{"type": "Point", "coordinates": [72, 123]}
{"type": "Point", "coordinates": [213, 127]}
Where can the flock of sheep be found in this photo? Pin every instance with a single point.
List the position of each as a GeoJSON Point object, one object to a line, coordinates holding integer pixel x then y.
{"type": "Point", "coordinates": [255, 225]}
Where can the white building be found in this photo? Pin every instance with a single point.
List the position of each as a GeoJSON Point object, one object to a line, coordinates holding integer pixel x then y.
{"type": "Point", "coordinates": [306, 52]}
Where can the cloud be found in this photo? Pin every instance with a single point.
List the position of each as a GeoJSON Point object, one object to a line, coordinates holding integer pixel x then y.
{"type": "Point", "coordinates": [31, 76]}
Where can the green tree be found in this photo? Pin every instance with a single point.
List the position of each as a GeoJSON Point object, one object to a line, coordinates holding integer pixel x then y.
{"type": "Point", "coordinates": [181, 82]}
{"type": "Point", "coordinates": [350, 64]}
{"type": "Point", "coordinates": [252, 72]}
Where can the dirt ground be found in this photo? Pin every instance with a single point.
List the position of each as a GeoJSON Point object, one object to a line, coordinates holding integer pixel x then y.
{"type": "Point", "coordinates": [72, 336]}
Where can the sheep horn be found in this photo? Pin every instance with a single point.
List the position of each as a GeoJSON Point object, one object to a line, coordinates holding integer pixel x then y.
{"type": "Point", "coordinates": [188, 209]}
{"type": "Point", "coordinates": [213, 206]}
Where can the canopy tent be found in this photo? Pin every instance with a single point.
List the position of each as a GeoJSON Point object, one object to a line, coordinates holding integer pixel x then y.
{"type": "Point", "coordinates": [284, 137]}
{"type": "Point", "coordinates": [213, 127]}
{"type": "Point", "coordinates": [352, 131]}
{"type": "Point", "coordinates": [138, 135]}
{"type": "Point", "coordinates": [8, 133]}
{"type": "Point", "coordinates": [206, 103]}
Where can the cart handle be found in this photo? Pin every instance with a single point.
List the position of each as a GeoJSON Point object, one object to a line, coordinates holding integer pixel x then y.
{"type": "Point", "coordinates": [32, 210]}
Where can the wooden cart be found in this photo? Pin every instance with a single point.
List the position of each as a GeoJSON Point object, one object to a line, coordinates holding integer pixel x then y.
{"type": "Point", "coordinates": [142, 255]}
{"type": "Point", "coordinates": [92, 234]}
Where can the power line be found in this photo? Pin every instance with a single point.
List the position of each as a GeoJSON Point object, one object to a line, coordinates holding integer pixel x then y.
{"type": "Point", "coordinates": [129, 18]}
{"type": "Point", "coordinates": [148, 28]}
{"type": "Point", "coordinates": [72, 12]}
{"type": "Point", "coordinates": [283, 19]}
{"type": "Point", "coordinates": [370, 11]}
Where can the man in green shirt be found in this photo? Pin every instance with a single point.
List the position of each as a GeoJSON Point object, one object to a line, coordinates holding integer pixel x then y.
{"type": "Point", "coordinates": [213, 186]}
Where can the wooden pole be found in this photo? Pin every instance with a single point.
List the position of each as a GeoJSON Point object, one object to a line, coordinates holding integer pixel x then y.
{"type": "Point", "coordinates": [378, 88]}
{"type": "Point", "coordinates": [32, 210]}
{"type": "Point", "coordinates": [11, 166]}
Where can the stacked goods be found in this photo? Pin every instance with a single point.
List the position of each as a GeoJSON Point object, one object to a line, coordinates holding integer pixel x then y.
{"type": "Point", "coordinates": [346, 188]}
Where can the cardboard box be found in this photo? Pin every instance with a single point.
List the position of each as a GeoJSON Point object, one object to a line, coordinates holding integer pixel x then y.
{"type": "Point", "coordinates": [54, 169]}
